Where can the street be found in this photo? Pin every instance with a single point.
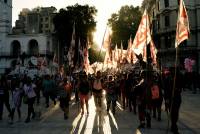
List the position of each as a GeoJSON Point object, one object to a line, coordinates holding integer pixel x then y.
{"type": "Point", "coordinates": [124, 122]}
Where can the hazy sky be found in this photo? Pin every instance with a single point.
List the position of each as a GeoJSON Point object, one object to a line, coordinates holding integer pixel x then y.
{"type": "Point", "coordinates": [105, 9]}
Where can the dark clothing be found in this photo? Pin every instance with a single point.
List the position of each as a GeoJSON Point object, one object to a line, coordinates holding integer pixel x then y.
{"type": "Point", "coordinates": [143, 93]}
{"type": "Point", "coordinates": [4, 99]}
{"type": "Point", "coordinates": [84, 87]}
{"type": "Point", "coordinates": [31, 102]}
{"type": "Point", "coordinates": [173, 99]}
{"type": "Point", "coordinates": [111, 96]}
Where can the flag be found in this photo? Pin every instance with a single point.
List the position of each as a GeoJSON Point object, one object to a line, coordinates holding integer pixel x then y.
{"type": "Point", "coordinates": [121, 53]}
{"type": "Point", "coordinates": [107, 39]}
{"type": "Point", "coordinates": [108, 57]}
{"type": "Point", "coordinates": [70, 54]}
{"type": "Point", "coordinates": [142, 37]}
{"type": "Point", "coordinates": [81, 52]}
{"type": "Point", "coordinates": [86, 59]}
{"type": "Point", "coordinates": [129, 51]}
{"type": "Point", "coordinates": [182, 29]}
{"type": "Point", "coordinates": [153, 51]}
{"type": "Point", "coordinates": [116, 54]}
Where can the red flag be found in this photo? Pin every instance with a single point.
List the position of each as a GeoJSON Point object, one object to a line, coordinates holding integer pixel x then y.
{"type": "Point", "coordinates": [107, 39]}
{"type": "Point", "coordinates": [182, 29]}
{"type": "Point", "coordinates": [86, 59]}
{"type": "Point", "coordinates": [116, 58]}
{"type": "Point", "coordinates": [142, 37]}
{"type": "Point", "coordinates": [108, 57]}
{"type": "Point", "coordinates": [129, 51]}
{"type": "Point", "coordinates": [153, 52]}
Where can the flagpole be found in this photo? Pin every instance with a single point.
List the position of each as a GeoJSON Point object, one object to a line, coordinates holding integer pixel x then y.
{"type": "Point", "coordinates": [174, 80]}
{"type": "Point", "coordinates": [102, 46]}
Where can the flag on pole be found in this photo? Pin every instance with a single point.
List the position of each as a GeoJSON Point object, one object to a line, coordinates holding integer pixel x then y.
{"type": "Point", "coordinates": [182, 29]}
{"type": "Point", "coordinates": [153, 51]}
{"type": "Point", "coordinates": [107, 39]}
{"type": "Point", "coordinates": [108, 57]}
{"type": "Point", "coordinates": [70, 54]}
{"type": "Point", "coordinates": [116, 54]}
{"type": "Point", "coordinates": [142, 37]}
{"type": "Point", "coordinates": [129, 51]}
{"type": "Point", "coordinates": [121, 53]}
{"type": "Point", "coordinates": [86, 59]}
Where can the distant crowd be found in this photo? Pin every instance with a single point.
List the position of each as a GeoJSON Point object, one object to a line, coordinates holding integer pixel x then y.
{"type": "Point", "coordinates": [143, 94]}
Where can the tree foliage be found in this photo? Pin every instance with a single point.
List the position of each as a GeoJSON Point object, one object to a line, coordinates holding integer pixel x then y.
{"type": "Point", "coordinates": [95, 54]}
{"type": "Point", "coordinates": [148, 4]}
{"type": "Point", "coordinates": [124, 24]}
{"type": "Point", "coordinates": [83, 16]}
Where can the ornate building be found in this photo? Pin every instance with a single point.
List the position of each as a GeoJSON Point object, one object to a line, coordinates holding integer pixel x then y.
{"type": "Point", "coordinates": [27, 40]}
{"type": "Point", "coordinates": [164, 18]}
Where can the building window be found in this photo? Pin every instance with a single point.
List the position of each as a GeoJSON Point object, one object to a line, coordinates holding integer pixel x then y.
{"type": "Point", "coordinates": [167, 24]}
{"type": "Point", "coordinates": [5, 1]}
{"type": "Point", "coordinates": [46, 25]}
{"type": "Point", "coordinates": [166, 3]}
{"type": "Point", "coordinates": [158, 6]}
{"type": "Point", "coordinates": [46, 19]}
{"type": "Point", "coordinates": [158, 24]}
{"type": "Point", "coordinates": [167, 42]}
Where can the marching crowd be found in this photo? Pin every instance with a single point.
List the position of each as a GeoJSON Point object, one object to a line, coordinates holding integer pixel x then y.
{"type": "Point", "coordinates": [143, 94]}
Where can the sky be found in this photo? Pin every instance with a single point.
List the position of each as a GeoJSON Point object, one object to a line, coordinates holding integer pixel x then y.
{"type": "Point", "coordinates": [105, 9]}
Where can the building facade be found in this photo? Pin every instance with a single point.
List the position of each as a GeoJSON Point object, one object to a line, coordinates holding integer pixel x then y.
{"type": "Point", "coordinates": [27, 39]}
{"type": "Point", "coordinates": [164, 18]}
{"type": "Point", "coordinates": [37, 20]}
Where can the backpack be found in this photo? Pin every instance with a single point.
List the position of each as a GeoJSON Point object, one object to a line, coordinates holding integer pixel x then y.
{"type": "Point", "coordinates": [155, 92]}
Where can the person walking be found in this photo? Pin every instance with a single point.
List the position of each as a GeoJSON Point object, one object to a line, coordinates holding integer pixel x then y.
{"type": "Point", "coordinates": [97, 91]}
{"type": "Point", "coordinates": [16, 100]}
{"type": "Point", "coordinates": [111, 94]}
{"type": "Point", "coordinates": [31, 95]}
{"type": "Point", "coordinates": [4, 96]}
{"type": "Point", "coordinates": [48, 90]}
{"type": "Point", "coordinates": [64, 95]}
{"type": "Point", "coordinates": [84, 89]}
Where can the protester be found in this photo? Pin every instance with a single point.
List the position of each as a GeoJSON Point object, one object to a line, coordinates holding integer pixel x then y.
{"type": "Point", "coordinates": [157, 98]}
{"type": "Point", "coordinates": [4, 96]}
{"type": "Point", "coordinates": [31, 95]}
{"type": "Point", "coordinates": [123, 93]}
{"type": "Point", "coordinates": [16, 100]}
{"type": "Point", "coordinates": [38, 82]}
{"type": "Point", "coordinates": [84, 89]}
{"type": "Point", "coordinates": [143, 94]}
{"type": "Point", "coordinates": [175, 101]}
{"type": "Point", "coordinates": [64, 95]}
{"type": "Point", "coordinates": [111, 94]}
{"type": "Point", "coordinates": [49, 90]}
{"type": "Point", "coordinates": [97, 91]}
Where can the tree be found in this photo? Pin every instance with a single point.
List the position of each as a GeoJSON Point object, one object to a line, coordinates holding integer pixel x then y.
{"type": "Point", "coordinates": [148, 4]}
{"type": "Point", "coordinates": [84, 18]}
{"type": "Point", "coordinates": [124, 24]}
{"type": "Point", "coordinates": [95, 54]}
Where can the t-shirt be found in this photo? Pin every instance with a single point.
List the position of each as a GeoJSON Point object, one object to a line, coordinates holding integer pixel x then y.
{"type": "Point", "coordinates": [29, 90]}
{"type": "Point", "coordinates": [48, 86]}
{"type": "Point", "coordinates": [97, 84]}
{"type": "Point", "coordinates": [84, 87]}
{"type": "Point", "coordinates": [110, 88]}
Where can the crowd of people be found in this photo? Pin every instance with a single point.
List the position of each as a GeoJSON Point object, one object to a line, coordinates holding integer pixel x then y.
{"type": "Point", "coordinates": [141, 93]}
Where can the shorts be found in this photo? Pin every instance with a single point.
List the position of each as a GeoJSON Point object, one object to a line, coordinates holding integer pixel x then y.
{"type": "Point", "coordinates": [83, 97]}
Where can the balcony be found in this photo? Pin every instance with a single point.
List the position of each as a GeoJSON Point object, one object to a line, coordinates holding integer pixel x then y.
{"type": "Point", "coordinates": [27, 55]}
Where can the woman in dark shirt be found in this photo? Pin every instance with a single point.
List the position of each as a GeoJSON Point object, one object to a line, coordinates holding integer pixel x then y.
{"type": "Point", "coordinates": [84, 92]}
